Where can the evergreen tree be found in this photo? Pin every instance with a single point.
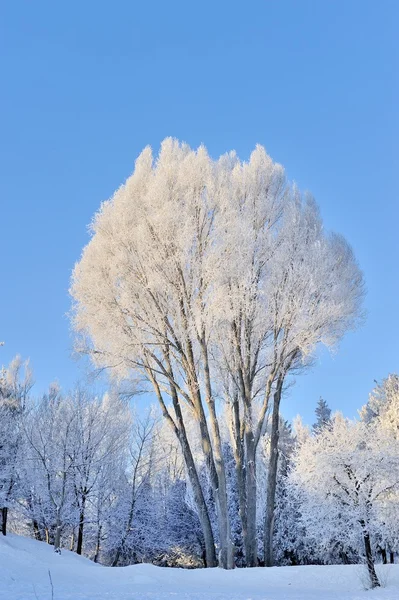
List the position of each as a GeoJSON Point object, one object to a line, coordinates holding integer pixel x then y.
{"type": "Point", "coordinates": [323, 414]}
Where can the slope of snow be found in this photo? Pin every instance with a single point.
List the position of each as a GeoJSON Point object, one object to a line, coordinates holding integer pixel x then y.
{"type": "Point", "coordinates": [25, 565]}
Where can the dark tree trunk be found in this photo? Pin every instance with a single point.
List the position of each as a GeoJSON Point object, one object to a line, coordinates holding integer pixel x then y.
{"type": "Point", "coordinates": [98, 544]}
{"type": "Point", "coordinates": [384, 556]}
{"type": "Point", "coordinates": [36, 531]}
{"type": "Point", "coordinates": [238, 449]}
{"type": "Point", "coordinates": [242, 498]}
{"type": "Point", "coordinates": [392, 557]}
{"type": "Point", "coordinates": [81, 525]}
{"type": "Point", "coordinates": [203, 556]}
{"type": "Point", "coordinates": [4, 516]}
{"type": "Point", "coordinates": [369, 561]}
{"type": "Point", "coordinates": [57, 536]}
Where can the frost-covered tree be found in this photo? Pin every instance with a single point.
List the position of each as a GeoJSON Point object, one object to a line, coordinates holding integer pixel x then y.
{"type": "Point", "coordinates": [15, 385]}
{"type": "Point", "coordinates": [72, 447]}
{"type": "Point", "coordinates": [323, 415]}
{"type": "Point", "coordinates": [214, 280]}
{"type": "Point", "coordinates": [176, 537]}
{"type": "Point", "coordinates": [50, 440]}
{"type": "Point", "coordinates": [136, 485]}
{"type": "Point", "coordinates": [102, 508]}
{"type": "Point", "coordinates": [346, 477]}
{"type": "Point", "coordinates": [382, 410]}
{"type": "Point", "coordinates": [383, 405]}
{"type": "Point", "coordinates": [316, 298]}
{"type": "Point", "coordinates": [101, 428]}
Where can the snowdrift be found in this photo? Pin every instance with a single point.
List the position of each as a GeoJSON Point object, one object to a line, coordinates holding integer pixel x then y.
{"type": "Point", "coordinates": [25, 566]}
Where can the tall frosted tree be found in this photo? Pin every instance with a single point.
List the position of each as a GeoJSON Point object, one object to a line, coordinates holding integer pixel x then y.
{"type": "Point", "coordinates": [214, 279]}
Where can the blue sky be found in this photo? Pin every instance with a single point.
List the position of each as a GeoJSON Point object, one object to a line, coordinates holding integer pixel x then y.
{"type": "Point", "coordinates": [86, 85]}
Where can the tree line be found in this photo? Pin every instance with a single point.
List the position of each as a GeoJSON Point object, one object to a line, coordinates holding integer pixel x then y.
{"type": "Point", "coordinates": [89, 474]}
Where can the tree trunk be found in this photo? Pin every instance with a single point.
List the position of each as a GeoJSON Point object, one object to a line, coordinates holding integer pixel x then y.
{"type": "Point", "coordinates": [384, 556]}
{"type": "Point", "coordinates": [181, 434]}
{"type": "Point", "coordinates": [98, 544]}
{"type": "Point", "coordinates": [242, 498]}
{"type": "Point", "coordinates": [36, 530]}
{"type": "Point", "coordinates": [245, 466]}
{"type": "Point", "coordinates": [202, 508]}
{"type": "Point", "coordinates": [272, 478]}
{"type": "Point", "coordinates": [215, 459]}
{"type": "Point", "coordinates": [116, 557]}
{"type": "Point", "coordinates": [81, 525]}
{"type": "Point", "coordinates": [218, 485]}
{"type": "Point", "coordinates": [226, 555]}
{"type": "Point", "coordinates": [392, 557]}
{"type": "Point", "coordinates": [4, 516]}
{"type": "Point", "coordinates": [369, 561]}
{"type": "Point", "coordinates": [203, 513]}
{"type": "Point", "coordinates": [57, 537]}
{"type": "Point", "coordinates": [251, 554]}
{"type": "Point", "coordinates": [226, 560]}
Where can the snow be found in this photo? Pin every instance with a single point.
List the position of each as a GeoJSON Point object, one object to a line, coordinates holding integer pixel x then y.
{"type": "Point", "coordinates": [25, 565]}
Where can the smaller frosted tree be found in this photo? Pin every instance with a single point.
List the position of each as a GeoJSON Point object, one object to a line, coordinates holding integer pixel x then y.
{"type": "Point", "coordinates": [323, 415]}
{"type": "Point", "coordinates": [347, 476]}
{"type": "Point", "coordinates": [15, 384]}
{"type": "Point", "coordinates": [101, 429]}
{"type": "Point", "coordinates": [134, 500]}
{"type": "Point", "coordinates": [382, 410]}
{"type": "Point", "coordinates": [49, 432]}
{"type": "Point", "coordinates": [383, 405]}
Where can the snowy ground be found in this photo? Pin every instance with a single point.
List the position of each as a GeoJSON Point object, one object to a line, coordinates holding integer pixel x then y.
{"type": "Point", "coordinates": [24, 566]}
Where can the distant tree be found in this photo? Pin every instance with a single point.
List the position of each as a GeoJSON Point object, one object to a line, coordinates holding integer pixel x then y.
{"type": "Point", "coordinates": [348, 479]}
{"type": "Point", "coordinates": [51, 442]}
{"type": "Point", "coordinates": [383, 404]}
{"type": "Point", "coordinates": [101, 430]}
{"type": "Point", "coordinates": [139, 465]}
{"type": "Point", "coordinates": [15, 384]}
{"type": "Point", "coordinates": [382, 410]}
{"type": "Point", "coordinates": [323, 414]}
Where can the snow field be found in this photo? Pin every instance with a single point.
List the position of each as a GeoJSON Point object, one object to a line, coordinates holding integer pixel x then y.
{"type": "Point", "coordinates": [25, 566]}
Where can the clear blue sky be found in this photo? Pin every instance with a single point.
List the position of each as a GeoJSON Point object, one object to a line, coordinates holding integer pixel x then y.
{"type": "Point", "coordinates": [86, 85]}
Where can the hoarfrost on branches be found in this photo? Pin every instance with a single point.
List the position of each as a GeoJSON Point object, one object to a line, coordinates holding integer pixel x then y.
{"type": "Point", "coordinates": [214, 280]}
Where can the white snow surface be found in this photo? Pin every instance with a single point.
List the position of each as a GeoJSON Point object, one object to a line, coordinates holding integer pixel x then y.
{"type": "Point", "coordinates": [25, 563]}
